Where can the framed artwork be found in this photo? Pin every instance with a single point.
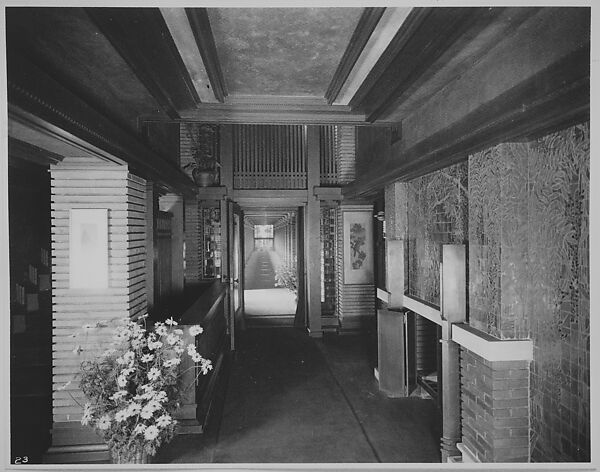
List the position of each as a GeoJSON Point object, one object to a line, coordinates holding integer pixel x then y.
{"type": "Point", "coordinates": [88, 248]}
{"type": "Point", "coordinates": [358, 247]}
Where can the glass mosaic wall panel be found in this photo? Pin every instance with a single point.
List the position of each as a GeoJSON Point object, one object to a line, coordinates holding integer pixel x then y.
{"type": "Point", "coordinates": [529, 275]}
{"type": "Point", "coordinates": [437, 215]}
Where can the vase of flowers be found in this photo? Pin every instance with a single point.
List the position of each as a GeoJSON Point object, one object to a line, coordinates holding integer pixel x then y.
{"type": "Point", "coordinates": [134, 388]}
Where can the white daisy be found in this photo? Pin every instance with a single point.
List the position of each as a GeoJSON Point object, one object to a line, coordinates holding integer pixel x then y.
{"type": "Point", "coordinates": [153, 374]}
{"type": "Point", "coordinates": [160, 396]}
{"type": "Point", "coordinates": [153, 345]}
{"type": "Point", "coordinates": [196, 357]}
{"type": "Point", "coordinates": [164, 420]}
{"type": "Point", "coordinates": [147, 357]}
{"type": "Point", "coordinates": [160, 329]}
{"type": "Point", "coordinates": [151, 433]}
{"type": "Point", "coordinates": [121, 415]}
{"type": "Point", "coordinates": [191, 349]}
{"type": "Point", "coordinates": [134, 409]}
{"type": "Point", "coordinates": [103, 422]}
{"type": "Point", "coordinates": [196, 330]}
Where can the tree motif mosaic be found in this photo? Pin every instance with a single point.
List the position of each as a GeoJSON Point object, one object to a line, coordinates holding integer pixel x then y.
{"type": "Point", "coordinates": [529, 274]}
{"type": "Point", "coordinates": [437, 215]}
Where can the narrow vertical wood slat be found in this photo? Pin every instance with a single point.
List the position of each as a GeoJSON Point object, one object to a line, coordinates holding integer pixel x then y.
{"type": "Point", "coordinates": [269, 156]}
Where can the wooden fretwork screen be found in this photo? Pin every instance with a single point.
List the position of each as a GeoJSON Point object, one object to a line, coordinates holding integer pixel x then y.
{"type": "Point", "coordinates": [269, 157]}
{"type": "Point", "coordinates": [328, 147]}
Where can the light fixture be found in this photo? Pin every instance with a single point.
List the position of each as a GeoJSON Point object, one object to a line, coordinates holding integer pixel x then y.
{"type": "Point", "coordinates": [380, 215]}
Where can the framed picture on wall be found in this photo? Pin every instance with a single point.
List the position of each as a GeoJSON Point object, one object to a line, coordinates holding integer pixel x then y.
{"type": "Point", "coordinates": [358, 247]}
{"type": "Point", "coordinates": [88, 248]}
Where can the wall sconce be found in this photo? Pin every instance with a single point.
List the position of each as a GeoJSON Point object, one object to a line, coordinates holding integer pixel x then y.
{"type": "Point", "coordinates": [380, 216]}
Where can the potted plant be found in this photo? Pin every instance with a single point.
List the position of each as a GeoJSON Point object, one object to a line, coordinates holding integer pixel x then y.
{"type": "Point", "coordinates": [134, 388]}
{"type": "Point", "coordinates": [204, 166]}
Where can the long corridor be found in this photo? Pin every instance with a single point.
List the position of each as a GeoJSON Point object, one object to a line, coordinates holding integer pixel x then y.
{"type": "Point", "coordinates": [293, 399]}
{"type": "Point", "coordinates": [263, 301]}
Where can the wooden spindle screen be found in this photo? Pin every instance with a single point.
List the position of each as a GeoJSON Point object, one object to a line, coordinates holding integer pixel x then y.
{"type": "Point", "coordinates": [328, 137]}
{"type": "Point", "coordinates": [346, 154]}
{"type": "Point", "coordinates": [269, 157]}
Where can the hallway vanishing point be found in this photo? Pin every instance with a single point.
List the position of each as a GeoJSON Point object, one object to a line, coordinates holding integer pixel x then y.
{"type": "Point", "coordinates": [293, 399]}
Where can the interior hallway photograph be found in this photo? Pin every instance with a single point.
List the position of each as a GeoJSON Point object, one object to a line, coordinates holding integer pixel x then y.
{"type": "Point", "coordinates": [298, 236]}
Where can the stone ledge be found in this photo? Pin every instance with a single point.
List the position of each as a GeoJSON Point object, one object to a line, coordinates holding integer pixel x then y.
{"type": "Point", "coordinates": [490, 348]}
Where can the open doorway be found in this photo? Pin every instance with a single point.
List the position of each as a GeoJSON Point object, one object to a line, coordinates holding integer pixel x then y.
{"type": "Point", "coordinates": [270, 285]}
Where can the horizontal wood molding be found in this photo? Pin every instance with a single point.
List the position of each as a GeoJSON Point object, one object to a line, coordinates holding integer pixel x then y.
{"type": "Point", "coordinates": [200, 23]}
{"type": "Point", "coordinates": [299, 195]}
{"type": "Point", "coordinates": [366, 24]}
{"type": "Point", "coordinates": [273, 114]}
{"type": "Point", "coordinates": [142, 38]}
{"type": "Point", "coordinates": [383, 295]}
{"type": "Point", "coordinates": [328, 193]}
{"type": "Point", "coordinates": [423, 309]}
{"type": "Point", "coordinates": [40, 102]}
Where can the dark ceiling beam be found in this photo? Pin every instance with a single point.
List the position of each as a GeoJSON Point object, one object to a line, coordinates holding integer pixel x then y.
{"type": "Point", "coordinates": [198, 18]}
{"type": "Point", "coordinates": [273, 114]}
{"type": "Point", "coordinates": [36, 99]}
{"type": "Point", "coordinates": [411, 24]}
{"type": "Point", "coordinates": [22, 150]}
{"type": "Point", "coordinates": [456, 60]}
{"type": "Point", "coordinates": [142, 38]}
{"type": "Point", "coordinates": [366, 24]}
{"type": "Point", "coordinates": [425, 37]}
{"type": "Point", "coordinates": [552, 99]}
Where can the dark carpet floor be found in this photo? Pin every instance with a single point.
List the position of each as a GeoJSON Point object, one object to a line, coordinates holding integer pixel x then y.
{"type": "Point", "coordinates": [293, 399]}
{"type": "Point", "coordinates": [259, 271]}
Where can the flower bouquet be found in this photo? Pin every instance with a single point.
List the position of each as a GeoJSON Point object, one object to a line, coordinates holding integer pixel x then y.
{"type": "Point", "coordinates": [134, 388]}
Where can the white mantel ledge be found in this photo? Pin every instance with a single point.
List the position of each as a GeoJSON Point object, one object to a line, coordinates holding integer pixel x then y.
{"type": "Point", "coordinates": [490, 348]}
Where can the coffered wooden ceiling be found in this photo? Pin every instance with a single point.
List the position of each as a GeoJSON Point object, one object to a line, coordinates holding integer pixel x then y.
{"type": "Point", "coordinates": [252, 65]}
{"type": "Point", "coordinates": [92, 76]}
{"type": "Point", "coordinates": [210, 64]}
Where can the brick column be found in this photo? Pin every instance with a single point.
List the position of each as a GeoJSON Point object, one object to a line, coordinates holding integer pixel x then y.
{"type": "Point", "coordinates": [495, 408]}
{"type": "Point", "coordinates": [494, 396]}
